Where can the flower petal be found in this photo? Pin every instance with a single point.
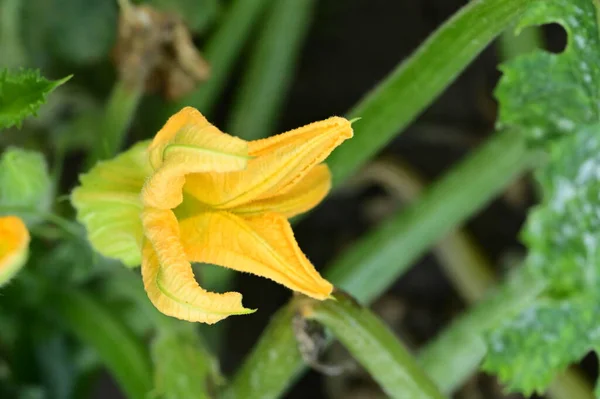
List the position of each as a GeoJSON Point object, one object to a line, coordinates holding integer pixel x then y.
{"type": "Point", "coordinates": [169, 279]}
{"type": "Point", "coordinates": [108, 204]}
{"type": "Point", "coordinates": [281, 162]}
{"type": "Point", "coordinates": [262, 245]}
{"type": "Point", "coordinates": [304, 196]}
{"type": "Point", "coordinates": [188, 143]}
{"type": "Point", "coordinates": [14, 244]}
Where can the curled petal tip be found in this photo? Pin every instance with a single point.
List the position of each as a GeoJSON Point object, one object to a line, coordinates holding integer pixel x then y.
{"type": "Point", "coordinates": [188, 144]}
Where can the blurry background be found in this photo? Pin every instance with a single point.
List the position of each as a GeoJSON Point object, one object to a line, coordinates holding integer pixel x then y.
{"type": "Point", "coordinates": [344, 50]}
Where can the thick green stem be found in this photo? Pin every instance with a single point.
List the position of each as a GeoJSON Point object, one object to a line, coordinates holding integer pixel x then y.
{"type": "Point", "coordinates": [384, 254]}
{"type": "Point", "coordinates": [461, 260]}
{"type": "Point", "coordinates": [468, 270]}
{"type": "Point", "coordinates": [119, 113]}
{"type": "Point", "coordinates": [221, 52]}
{"type": "Point", "coordinates": [415, 83]}
{"type": "Point", "coordinates": [377, 260]}
{"type": "Point", "coordinates": [271, 69]}
{"type": "Point", "coordinates": [376, 347]}
{"type": "Point", "coordinates": [273, 364]}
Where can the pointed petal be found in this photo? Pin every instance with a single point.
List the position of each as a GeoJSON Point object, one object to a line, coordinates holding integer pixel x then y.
{"type": "Point", "coordinates": [188, 143]}
{"type": "Point", "coordinates": [14, 244]}
{"type": "Point", "coordinates": [304, 196]}
{"type": "Point", "coordinates": [262, 245]}
{"type": "Point", "coordinates": [169, 279]}
{"type": "Point", "coordinates": [108, 204]}
{"type": "Point", "coordinates": [281, 162]}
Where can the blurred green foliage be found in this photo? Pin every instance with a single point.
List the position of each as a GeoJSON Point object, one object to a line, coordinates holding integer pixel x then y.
{"type": "Point", "coordinates": [25, 187]}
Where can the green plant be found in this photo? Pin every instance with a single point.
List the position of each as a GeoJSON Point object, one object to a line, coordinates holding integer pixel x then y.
{"type": "Point", "coordinates": [71, 311]}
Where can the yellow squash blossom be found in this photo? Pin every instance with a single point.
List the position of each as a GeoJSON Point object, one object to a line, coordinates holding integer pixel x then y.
{"type": "Point", "coordinates": [209, 197]}
{"type": "Point", "coordinates": [14, 244]}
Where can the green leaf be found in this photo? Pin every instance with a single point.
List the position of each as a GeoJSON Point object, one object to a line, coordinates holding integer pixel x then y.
{"type": "Point", "coordinates": [22, 93]}
{"type": "Point", "coordinates": [528, 352]}
{"type": "Point", "coordinates": [554, 100]}
{"type": "Point", "coordinates": [25, 186]}
{"type": "Point", "coordinates": [546, 94]}
{"type": "Point", "coordinates": [183, 368]}
{"type": "Point", "coordinates": [377, 348]}
{"type": "Point", "coordinates": [563, 232]}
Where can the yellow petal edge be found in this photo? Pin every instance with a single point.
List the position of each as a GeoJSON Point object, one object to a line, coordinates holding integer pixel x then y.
{"type": "Point", "coordinates": [14, 247]}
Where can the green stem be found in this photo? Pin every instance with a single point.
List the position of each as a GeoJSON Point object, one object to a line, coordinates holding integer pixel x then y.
{"type": "Point", "coordinates": [273, 364]}
{"type": "Point", "coordinates": [415, 83]}
{"type": "Point", "coordinates": [378, 259]}
{"type": "Point", "coordinates": [376, 347]}
{"type": "Point", "coordinates": [384, 254]}
{"type": "Point", "coordinates": [221, 52]}
{"type": "Point", "coordinates": [271, 69]}
{"type": "Point", "coordinates": [115, 344]}
{"type": "Point", "coordinates": [461, 260]}
{"type": "Point", "coordinates": [461, 346]}
{"type": "Point", "coordinates": [120, 110]}
{"type": "Point", "coordinates": [11, 47]}
{"type": "Point", "coordinates": [66, 225]}
{"type": "Point", "coordinates": [466, 267]}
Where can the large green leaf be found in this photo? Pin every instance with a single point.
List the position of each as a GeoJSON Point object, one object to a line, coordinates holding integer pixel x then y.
{"type": "Point", "coordinates": [554, 99]}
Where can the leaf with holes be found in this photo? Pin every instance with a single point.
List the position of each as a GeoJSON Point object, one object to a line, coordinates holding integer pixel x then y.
{"type": "Point", "coordinates": [555, 100]}
{"type": "Point", "coordinates": [548, 94]}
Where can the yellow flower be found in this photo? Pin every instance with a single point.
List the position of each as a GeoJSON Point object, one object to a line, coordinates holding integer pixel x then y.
{"type": "Point", "coordinates": [14, 244]}
{"type": "Point", "coordinates": [213, 198]}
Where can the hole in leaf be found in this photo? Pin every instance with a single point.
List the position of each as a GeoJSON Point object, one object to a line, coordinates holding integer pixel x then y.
{"type": "Point", "coordinates": [555, 37]}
